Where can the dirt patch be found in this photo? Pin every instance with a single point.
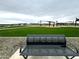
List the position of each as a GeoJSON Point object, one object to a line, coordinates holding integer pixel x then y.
{"type": "Point", "coordinates": [8, 45]}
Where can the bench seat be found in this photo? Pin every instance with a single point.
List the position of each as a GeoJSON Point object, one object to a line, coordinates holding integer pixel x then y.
{"type": "Point", "coordinates": [48, 51]}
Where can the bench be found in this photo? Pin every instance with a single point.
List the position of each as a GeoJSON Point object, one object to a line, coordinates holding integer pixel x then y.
{"type": "Point", "coordinates": [47, 45]}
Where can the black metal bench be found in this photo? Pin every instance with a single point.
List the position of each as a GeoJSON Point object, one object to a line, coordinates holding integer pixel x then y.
{"type": "Point", "coordinates": [47, 45]}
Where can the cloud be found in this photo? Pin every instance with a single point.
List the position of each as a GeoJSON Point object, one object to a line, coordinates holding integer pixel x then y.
{"type": "Point", "coordinates": [10, 17]}
{"type": "Point", "coordinates": [41, 7]}
{"type": "Point", "coordinates": [35, 10]}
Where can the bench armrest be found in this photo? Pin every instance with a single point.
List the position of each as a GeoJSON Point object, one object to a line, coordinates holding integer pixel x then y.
{"type": "Point", "coordinates": [71, 46]}
{"type": "Point", "coordinates": [22, 47]}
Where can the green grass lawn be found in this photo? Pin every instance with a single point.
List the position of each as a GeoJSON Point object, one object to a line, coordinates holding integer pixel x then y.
{"type": "Point", "coordinates": [68, 31]}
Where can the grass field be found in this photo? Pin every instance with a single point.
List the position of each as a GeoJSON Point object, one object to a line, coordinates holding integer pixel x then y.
{"type": "Point", "coordinates": [68, 31]}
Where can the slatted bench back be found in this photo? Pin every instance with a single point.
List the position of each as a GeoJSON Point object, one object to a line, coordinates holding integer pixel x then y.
{"type": "Point", "coordinates": [54, 40]}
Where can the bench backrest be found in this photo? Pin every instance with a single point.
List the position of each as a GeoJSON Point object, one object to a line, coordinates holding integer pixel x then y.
{"type": "Point", "coordinates": [43, 39]}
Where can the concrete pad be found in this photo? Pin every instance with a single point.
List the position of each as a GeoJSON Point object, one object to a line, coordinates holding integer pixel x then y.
{"type": "Point", "coordinates": [16, 55]}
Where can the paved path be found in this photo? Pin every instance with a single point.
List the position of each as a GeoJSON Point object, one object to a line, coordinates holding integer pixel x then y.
{"type": "Point", "coordinates": [37, 26]}
{"type": "Point", "coordinates": [17, 56]}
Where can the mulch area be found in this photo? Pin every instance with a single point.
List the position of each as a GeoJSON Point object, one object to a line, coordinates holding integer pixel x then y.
{"type": "Point", "coordinates": [8, 45]}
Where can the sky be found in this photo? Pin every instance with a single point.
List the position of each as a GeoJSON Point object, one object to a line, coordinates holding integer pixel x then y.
{"type": "Point", "coordinates": [27, 11]}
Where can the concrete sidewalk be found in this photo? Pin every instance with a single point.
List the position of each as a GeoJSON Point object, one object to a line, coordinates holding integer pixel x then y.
{"type": "Point", "coordinates": [16, 55]}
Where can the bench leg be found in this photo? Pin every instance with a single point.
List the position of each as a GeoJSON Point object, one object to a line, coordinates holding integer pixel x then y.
{"type": "Point", "coordinates": [25, 57]}
{"type": "Point", "coordinates": [69, 58]}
